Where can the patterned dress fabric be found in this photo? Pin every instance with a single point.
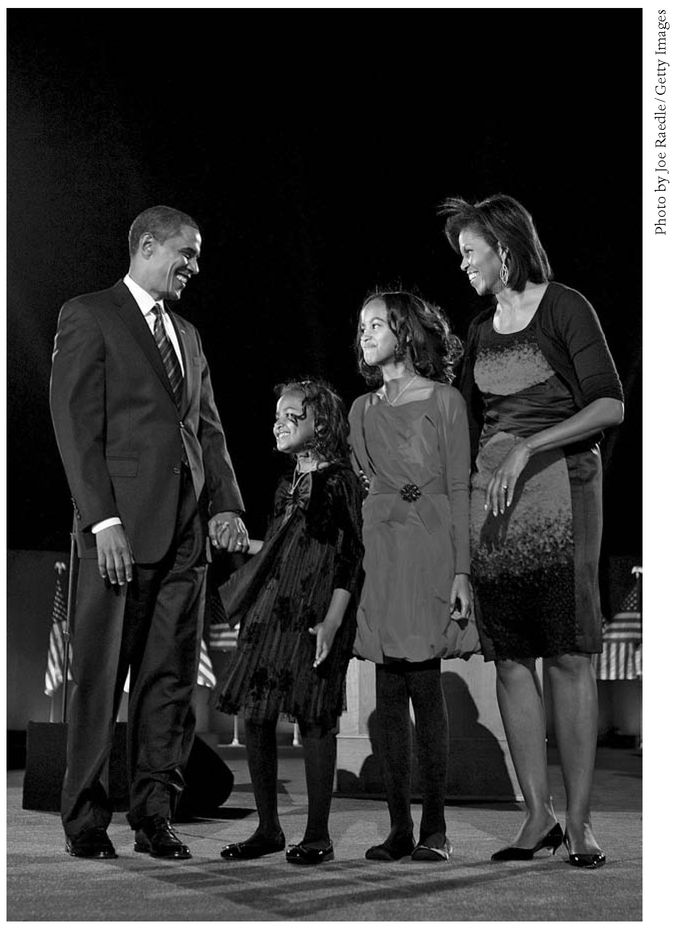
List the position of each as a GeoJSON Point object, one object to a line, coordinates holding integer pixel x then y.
{"type": "Point", "coordinates": [312, 546]}
{"type": "Point", "coordinates": [413, 543]}
{"type": "Point", "coordinates": [534, 568]}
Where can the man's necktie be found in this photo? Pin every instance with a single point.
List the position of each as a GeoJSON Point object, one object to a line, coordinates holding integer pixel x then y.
{"type": "Point", "coordinates": [168, 355]}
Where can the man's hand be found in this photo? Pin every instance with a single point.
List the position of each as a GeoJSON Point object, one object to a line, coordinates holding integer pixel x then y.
{"type": "Point", "coordinates": [227, 531]}
{"type": "Point", "coordinates": [114, 555]}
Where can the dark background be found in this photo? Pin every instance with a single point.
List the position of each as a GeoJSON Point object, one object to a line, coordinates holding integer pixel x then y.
{"type": "Point", "coordinates": [313, 147]}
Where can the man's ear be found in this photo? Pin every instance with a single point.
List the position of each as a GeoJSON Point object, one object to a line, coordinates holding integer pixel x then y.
{"type": "Point", "coordinates": [147, 245]}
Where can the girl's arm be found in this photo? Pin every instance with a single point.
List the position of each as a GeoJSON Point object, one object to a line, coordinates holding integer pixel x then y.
{"type": "Point", "coordinates": [345, 503]}
{"type": "Point", "coordinates": [457, 469]}
{"type": "Point", "coordinates": [456, 450]}
{"type": "Point", "coordinates": [359, 453]}
{"type": "Point", "coordinates": [325, 631]}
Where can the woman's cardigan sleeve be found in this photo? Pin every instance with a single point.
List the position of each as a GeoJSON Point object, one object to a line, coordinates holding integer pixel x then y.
{"type": "Point", "coordinates": [575, 346]}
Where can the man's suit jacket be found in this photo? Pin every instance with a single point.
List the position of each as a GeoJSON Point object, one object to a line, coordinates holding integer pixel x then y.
{"type": "Point", "coordinates": [120, 434]}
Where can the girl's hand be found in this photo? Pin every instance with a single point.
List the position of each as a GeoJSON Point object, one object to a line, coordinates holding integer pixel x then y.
{"type": "Point", "coordinates": [325, 634]}
{"type": "Point", "coordinates": [501, 487]}
{"type": "Point", "coordinates": [461, 594]}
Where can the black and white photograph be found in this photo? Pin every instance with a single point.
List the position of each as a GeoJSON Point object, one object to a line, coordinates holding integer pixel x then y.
{"type": "Point", "coordinates": [324, 460]}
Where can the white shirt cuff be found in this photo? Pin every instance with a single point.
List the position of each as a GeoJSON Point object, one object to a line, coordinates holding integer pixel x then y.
{"type": "Point", "coordinates": [105, 523]}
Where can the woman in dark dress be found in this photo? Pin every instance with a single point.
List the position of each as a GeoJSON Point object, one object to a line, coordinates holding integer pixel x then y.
{"type": "Point", "coordinates": [295, 602]}
{"type": "Point", "coordinates": [541, 386]}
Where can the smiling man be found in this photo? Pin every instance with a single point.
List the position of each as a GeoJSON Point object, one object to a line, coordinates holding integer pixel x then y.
{"type": "Point", "coordinates": [147, 464]}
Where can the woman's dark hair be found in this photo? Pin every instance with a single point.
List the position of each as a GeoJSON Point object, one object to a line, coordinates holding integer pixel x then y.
{"type": "Point", "coordinates": [422, 332]}
{"type": "Point", "coordinates": [501, 221]}
{"type": "Point", "coordinates": [331, 426]}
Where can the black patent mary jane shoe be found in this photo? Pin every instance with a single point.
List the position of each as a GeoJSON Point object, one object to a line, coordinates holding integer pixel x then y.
{"type": "Point", "coordinates": [552, 840]}
{"type": "Point", "coordinates": [590, 860]}
{"type": "Point", "coordinates": [253, 848]}
{"type": "Point", "coordinates": [304, 854]}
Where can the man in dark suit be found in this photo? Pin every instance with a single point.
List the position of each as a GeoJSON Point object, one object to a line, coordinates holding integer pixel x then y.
{"type": "Point", "coordinates": [147, 465]}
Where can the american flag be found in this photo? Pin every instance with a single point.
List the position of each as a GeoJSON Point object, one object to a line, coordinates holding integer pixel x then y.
{"type": "Point", "coordinates": [205, 676]}
{"type": "Point", "coordinates": [621, 658]}
{"type": "Point", "coordinates": [54, 673]}
{"type": "Point", "coordinates": [222, 636]}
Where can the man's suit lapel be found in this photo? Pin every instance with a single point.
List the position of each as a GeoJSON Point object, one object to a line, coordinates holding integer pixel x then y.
{"type": "Point", "coordinates": [134, 320]}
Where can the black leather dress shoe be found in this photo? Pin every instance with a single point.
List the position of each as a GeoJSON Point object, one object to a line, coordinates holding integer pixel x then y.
{"type": "Point", "coordinates": [156, 837]}
{"type": "Point", "coordinates": [93, 843]}
{"type": "Point", "coordinates": [304, 854]}
{"type": "Point", "coordinates": [253, 848]}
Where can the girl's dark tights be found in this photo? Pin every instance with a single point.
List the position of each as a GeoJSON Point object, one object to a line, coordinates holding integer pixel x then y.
{"type": "Point", "coordinates": [319, 747]}
{"type": "Point", "coordinates": [263, 767]}
{"type": "Point", "coordinates": [396, 683]}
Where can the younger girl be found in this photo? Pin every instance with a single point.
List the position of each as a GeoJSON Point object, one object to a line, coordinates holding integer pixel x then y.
{"type": "Point", "coordinates": [295, 602]}
{"type": "Point", "coordinates": [410, 439]}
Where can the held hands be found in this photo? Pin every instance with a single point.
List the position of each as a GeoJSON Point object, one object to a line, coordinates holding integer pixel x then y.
{"type": "Point", "coordinates": [227, 531]}
{"type": "Point", "coordinates": [501, 487]}
{"type": "Point", "coordinates": [461, 595]}
{"type": "Point", "coordinates": [114, 555]}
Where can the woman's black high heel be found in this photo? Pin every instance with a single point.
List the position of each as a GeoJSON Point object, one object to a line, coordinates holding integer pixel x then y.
{"type": "Point", "coordinates": [586, 859]}
{"type": "Point", "coordinates": [552, 839]}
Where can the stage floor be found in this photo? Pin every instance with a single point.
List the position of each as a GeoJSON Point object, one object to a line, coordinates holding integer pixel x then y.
{"type": "Point", "coordinates": [45, 884]}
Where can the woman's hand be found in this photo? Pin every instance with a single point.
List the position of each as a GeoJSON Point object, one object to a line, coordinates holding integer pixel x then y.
{"type": "Point", "coordinates": [501, 487]}
{"type": "Point", "coordinates": [461, 595]}
{"type": "Point", "coordinates": [325, 635]}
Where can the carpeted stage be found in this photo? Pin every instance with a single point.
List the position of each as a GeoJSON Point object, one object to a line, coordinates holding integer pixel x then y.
{"type": "Point", "coordinates": [45, 884]}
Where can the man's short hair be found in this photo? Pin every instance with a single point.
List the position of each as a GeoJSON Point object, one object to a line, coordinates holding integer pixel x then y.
{"type": "Point", "coordinates": [161, 221]}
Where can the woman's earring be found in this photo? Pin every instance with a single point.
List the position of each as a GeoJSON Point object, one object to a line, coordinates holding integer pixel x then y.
{"type": "Point", "coordinates": [504, 272]}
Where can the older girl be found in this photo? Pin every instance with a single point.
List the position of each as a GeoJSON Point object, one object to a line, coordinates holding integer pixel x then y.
{"type": "Point", "coordinates": [410, 440]}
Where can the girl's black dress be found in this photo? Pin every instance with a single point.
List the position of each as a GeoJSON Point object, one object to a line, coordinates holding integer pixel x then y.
{"type": "Point", "coordinates": [312, 545]}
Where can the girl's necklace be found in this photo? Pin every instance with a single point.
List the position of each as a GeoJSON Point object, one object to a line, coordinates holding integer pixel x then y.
{"type": "Point", "coordinates": [304, 467]}
{"type": "Point", "coordinates": [403, 390]}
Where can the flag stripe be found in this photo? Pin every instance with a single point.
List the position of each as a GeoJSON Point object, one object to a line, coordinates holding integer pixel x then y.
{"type": "Point", "coordinates": [54, 672]}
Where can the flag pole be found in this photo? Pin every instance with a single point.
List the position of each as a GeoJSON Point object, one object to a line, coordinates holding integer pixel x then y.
{"type": "Point", "coordinates": [67, 624]}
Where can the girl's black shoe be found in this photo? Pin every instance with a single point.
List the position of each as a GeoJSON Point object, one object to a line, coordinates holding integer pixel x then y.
{"type": "Point", "coordinates": [304, 854]}
{"type": "Point", "coordinates": [392, 849]}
